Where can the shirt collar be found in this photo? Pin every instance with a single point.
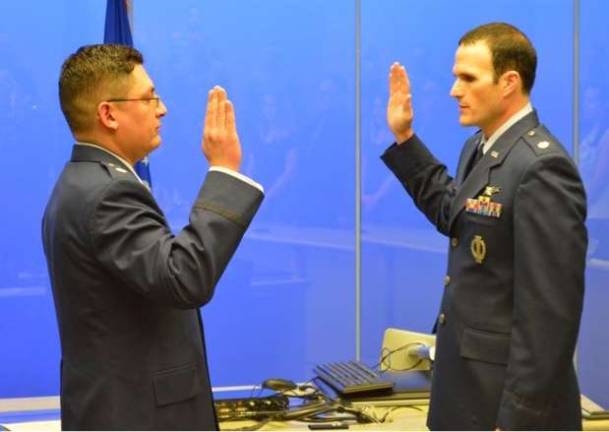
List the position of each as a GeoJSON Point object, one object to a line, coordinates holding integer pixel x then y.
{"type": "Point", "coordinates": [127, 164]}
{"type": "Point", "coordinates": [487, 144]}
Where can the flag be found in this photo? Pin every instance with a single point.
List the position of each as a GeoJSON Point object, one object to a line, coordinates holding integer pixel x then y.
{"type": "Point", "coordinates": [118, 31]}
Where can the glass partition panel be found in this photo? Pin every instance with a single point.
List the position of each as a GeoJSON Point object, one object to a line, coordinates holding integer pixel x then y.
{"type": "Point", "coordinates": [286, 301]}
{"type": "Point", "coordinates": [35, 144]}
{"type": "Point", "coordinates": [593, 351]}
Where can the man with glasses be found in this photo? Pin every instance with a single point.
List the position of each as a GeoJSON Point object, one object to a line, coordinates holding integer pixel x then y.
{"type": "Point", "coordinates": [126, 289]}
{"type": "Point", "coordinates": [515, 214]}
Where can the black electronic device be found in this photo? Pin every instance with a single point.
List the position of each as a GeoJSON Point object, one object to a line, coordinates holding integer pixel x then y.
{"type": "Point", "coordinates": [328, 426]}
{"type": "Point", "coordinates": [279, 384]}
{"type": "Point", "coordinates": [352, 377]}
{"type": "Point", "coordinates": [254, 408]}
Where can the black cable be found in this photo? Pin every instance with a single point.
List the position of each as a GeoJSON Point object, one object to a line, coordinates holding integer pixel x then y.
{"type": "Point", "coordinates": [395, 408]}
{"type": "Point", "coordinates": [388, 354]}
{"type": "Point", "coordinates": [253, 427]}
{"type": "Point", "coordinates": [317, 410]}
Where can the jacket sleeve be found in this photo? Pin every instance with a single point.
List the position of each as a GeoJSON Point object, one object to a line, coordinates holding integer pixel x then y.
{"type": "Point", "coordinates": [425, 179]}
{"type": "Point", "coordinates": [132, 240]}
{"type": "Point", "coordinates": [550, 242]}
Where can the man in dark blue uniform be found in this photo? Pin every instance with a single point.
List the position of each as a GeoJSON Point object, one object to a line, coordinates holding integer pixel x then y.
{"type": "Point", "coordinates": [515, 214]}
{"type": "Point", "coordinates": [126, 289]}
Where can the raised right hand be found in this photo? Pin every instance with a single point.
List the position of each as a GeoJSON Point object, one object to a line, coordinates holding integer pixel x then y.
{"type": "Point", "coordinates": [399, 106]}
{"type": "Point", "coordinates": [220, 142]}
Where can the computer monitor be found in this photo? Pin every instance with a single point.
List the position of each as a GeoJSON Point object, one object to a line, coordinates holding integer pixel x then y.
{"type": "Point", "coordinates": [405, 350]}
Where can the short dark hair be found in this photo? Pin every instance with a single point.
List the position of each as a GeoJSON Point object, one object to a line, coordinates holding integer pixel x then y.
{"type": "Point", "coordinates": [510, 50]}
{"type": "Point", "coordinates": [93, 73]}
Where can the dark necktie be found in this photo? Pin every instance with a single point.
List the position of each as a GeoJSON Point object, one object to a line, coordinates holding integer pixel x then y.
{"type": "Point", "coordinates": [475, 158]}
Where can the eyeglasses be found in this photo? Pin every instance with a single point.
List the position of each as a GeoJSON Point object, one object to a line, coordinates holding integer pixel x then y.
{"type": "Point", "coordinates": [157, 99]}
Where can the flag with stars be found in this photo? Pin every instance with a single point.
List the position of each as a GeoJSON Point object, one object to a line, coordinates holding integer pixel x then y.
{"type": "Point", "coordinates": [118, 31]}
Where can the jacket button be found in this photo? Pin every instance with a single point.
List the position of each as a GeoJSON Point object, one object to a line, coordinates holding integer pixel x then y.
{"type": "Point", "coordinates": [446, 280]}
{"type": "Point", "coordinates": [442, 319]}
{"type": "Point", "coordinates": [454, 242]}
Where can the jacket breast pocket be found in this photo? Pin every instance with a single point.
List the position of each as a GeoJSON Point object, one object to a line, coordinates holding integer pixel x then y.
{"type": "Point", "coordinates": [480, 219]}
{"type": "Point", "coordinates": [485, 346]}
{"type": "Point", "coordinates": [177, 384]}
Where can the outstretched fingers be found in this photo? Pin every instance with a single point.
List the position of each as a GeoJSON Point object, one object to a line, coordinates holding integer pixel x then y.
{"type": "Point", "coordinates": [231, 127]}
{"type": "Point", "coordinates": [394, 84]}
{"type": "Point", "coordinates": [399, 105]}
{"type": "Point", "coordinates": [221, 113]}
{"type": "Point", "coordinates": [220, 139]}
{"type": "Point", "coordinates": [398, 80]}
{"type": "Point", "coordinates": [210, 113]}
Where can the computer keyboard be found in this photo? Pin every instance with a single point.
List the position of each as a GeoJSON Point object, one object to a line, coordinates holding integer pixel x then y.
{"type": "Point", "coordinates": [352, 377]}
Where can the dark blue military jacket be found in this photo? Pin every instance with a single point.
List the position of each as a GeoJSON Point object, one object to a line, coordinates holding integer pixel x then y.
{"type": "Point", "coordinates": [127, 293]}
{"type": "Point", "coordinates": [513, 293]}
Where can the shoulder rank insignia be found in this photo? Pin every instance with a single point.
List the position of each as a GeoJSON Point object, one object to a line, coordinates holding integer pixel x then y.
{"type": "Point", "coordinates": [117, 168]}
{"type": "Point", "coordinates": [483, 205]}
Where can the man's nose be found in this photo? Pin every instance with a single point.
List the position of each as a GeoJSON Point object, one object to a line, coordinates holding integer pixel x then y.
{"type": "Point", "coordinates": [455, 90]}
{"type": "Point", "coordinates": [161, 109]}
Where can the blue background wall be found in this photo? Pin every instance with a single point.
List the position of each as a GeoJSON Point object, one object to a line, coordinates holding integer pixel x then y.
{"type": "Point", "coordinates": [294, 71]}
{"type": "Point", "coordinates": [593, 158]}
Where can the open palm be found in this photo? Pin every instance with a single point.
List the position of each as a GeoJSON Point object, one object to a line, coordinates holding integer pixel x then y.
{"type": "Point", "coordinates": [220, 142]}
{"type": "Point", "coordinates": [399, 107]}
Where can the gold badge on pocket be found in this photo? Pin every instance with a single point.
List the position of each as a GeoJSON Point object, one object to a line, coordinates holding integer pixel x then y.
{"type": "Point", "coordinates": [478, 249]}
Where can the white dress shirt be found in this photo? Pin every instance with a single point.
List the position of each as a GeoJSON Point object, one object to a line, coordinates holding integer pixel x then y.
{"type": "Point", "coordinates": [488, 143]}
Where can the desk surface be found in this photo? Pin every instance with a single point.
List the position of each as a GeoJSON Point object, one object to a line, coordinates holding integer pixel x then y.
{"type": "Point", "coordinates": [404, 418]}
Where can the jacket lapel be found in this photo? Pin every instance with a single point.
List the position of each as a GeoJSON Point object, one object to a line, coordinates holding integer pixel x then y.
{"type": "Point", "coordinates": [478, 178]}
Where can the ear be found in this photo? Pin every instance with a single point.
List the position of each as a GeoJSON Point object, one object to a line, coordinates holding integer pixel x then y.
{"type": "Point", "coordinates": [105, 113]}
{"type": "Point", "coordinates": [510, 82]}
